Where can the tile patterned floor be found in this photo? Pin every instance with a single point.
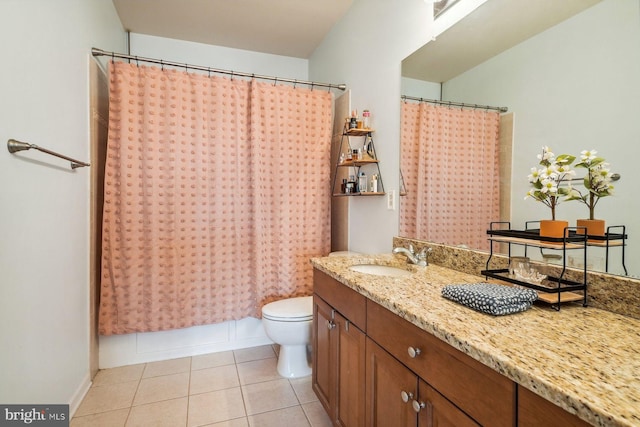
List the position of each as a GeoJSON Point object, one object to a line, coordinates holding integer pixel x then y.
{"type": "Point", "coordinates": [239, 388]}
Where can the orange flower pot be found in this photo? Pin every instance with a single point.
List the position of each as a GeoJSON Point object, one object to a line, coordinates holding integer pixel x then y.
{"type": "Point", "coordinates": [595, 227]}
{"type": "Point", "coordinates": [552, 228]}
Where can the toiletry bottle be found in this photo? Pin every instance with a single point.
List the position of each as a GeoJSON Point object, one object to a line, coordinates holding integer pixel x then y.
{"type": "Point", "coordinates": [352, 184]}
{"type": "Point", "coordinates": [362, 182]}
{"type": "Point", "coordinates": [366, 118]}
{"type": "Point", "coordinates": [354, 120]}
{"type": "Point", "coordinates": [374, 183]}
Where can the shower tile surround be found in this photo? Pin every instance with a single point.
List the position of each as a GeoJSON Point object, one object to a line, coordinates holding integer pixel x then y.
{"type": "Point", "coordinates": [583, 359]}
{"type": "Point", "coordinates": [617, 294]}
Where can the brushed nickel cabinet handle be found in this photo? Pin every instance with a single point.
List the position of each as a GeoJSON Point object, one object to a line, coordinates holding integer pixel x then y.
{"type": "Point", "coordinates": [406, 396]}
{"type": "Point", "coordinates": [413, 352]}
{"type": "Point", "coordinates": [417, 406]}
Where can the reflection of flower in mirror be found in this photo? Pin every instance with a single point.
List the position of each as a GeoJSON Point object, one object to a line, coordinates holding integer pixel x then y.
{"type": "Point", "coordinates": [545, 181]}
{"type": "Point", "coordinates": [597, 182]}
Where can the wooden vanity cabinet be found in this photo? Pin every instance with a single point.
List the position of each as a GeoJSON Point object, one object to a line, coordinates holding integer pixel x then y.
{"type": "Point", "coordinates": [397, 397]}
{"type": "Point", "coordinates": [373, 368]}
{"type": "Point", "coordinates": [469, 388]}
{"type": "Point", "coordinates": [339, 350]}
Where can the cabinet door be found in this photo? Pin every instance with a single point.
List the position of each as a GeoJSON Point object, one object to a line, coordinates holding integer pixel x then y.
{"type": "Point", "coordinates": [351, 373]}
{"type": "Point", "coordinates": [386, 380]}
{"type": "Point", "coordinates": [437, 411]}
{"type": "Point", "coordinates": [323, 372]}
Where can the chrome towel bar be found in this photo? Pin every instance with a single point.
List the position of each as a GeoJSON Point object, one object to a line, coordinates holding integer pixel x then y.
{"type": "Point", "coordinates": [14, 146]}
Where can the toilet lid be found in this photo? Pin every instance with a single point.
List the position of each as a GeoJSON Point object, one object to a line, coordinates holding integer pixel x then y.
{"type": "Point", "coordinates": [300, 308]}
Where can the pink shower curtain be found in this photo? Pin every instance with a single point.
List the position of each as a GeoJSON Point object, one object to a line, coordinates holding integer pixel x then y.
{"type": "Point", "coordinates": [216, 195]}
{"type": "Point", "coordinates": [451, 174]}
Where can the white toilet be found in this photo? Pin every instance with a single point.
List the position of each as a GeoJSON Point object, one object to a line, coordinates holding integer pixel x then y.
{"type": "Point", "coordinates": [288, 322]}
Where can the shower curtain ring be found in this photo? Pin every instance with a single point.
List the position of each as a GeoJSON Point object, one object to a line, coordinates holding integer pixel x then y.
{"type": "Point", "coordinates": [295, 83]}
{"type": "Point", "coordinates": [275, 81]}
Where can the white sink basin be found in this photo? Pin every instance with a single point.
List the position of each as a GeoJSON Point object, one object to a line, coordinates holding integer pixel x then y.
{"type": "Point", "coordinates": [380, 270]}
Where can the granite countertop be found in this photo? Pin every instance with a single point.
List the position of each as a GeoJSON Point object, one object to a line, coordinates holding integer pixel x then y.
{"type": "Point", "coordinates": [585, 360]}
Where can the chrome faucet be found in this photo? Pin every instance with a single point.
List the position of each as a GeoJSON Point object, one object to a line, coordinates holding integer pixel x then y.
{"type": "Point", "coordinates": [421, 258]}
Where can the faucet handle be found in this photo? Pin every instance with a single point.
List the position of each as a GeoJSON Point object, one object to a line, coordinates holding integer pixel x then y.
{"type": "Point", "coordinates": [424, 253]}
{"type": "Point", "coordinates": [411, 249]}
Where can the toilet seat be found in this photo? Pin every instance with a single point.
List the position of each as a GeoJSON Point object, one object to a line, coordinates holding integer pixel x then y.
{"type": "Point", "coordinates": [298, 309]}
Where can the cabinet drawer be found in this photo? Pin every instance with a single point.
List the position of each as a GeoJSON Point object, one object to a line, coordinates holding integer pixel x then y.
{"type": "Point", "coordinates": [535, 411]}
{"type": "Point", "coordinates": [482, 393]}
{"type": "Point", "coordinates": [345, 300]}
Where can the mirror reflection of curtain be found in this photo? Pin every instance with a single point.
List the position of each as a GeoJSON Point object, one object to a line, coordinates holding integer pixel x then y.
{"type": "Point", "coordinates": [450, 166]}
{"type": "Point", "coordinates": [217, 193]}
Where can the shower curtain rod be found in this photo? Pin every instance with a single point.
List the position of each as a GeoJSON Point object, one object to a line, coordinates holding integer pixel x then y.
{"type": "Point", "coordinates": [100, 52]}
{"type": "Point", "coordinates": [455, 104]}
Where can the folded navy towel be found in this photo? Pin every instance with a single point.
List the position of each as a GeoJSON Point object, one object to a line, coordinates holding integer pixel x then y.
{"type": "Point", "coordinates": [491, 298]}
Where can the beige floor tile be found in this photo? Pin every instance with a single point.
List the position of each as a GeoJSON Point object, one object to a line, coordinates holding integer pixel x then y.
{"type": "Point", "coordinates": [121, 374]}
{"type": "Point", "coordinates": [293, 416]}
{"type": "Point", "coordinates": [268, 396]}
{"type": "Point", "coordinates": [115, 418]}
{"type": "Point", "coordinates": [258, 371]}
{"type": "Point", "coordinates": [316, 414]}
{"type": "Point", "coordinates": [212, 379]}
{"type": "Point", "coordinates": [168, 413]}
{"type": "Point", "coordinates": [212, 360]}
{"type": "Point", "coordinates": [215, 406]}
{"type": "Point", "coordinates": [238, 422]}
{"type": "Point", "coordinates": [303, 389]}
{"type": "Point", "coordinates": [107, 398]}
{"type": "Point", "coordinates": [254, 353]}
{"type": "Point", "coordinates": [162, 388]}
{"type": "Point", "coordinates": [167, 367]}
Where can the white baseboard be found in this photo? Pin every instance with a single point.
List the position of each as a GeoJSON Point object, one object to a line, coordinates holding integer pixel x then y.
{"type": "Point", "coordinates": [79, 394]}
{"type": "Point", "coordinates": [130, 349]}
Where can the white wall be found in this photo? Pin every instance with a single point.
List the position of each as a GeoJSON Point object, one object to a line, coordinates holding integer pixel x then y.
{"type": "Point", "coordinates": [420, 88]}
{"type": "Point", "coordinates": [44, 214]}
{"type": "Point", "coordinates": [364, 50]}
{"type": "Point", "coordinates": [219, 57]}
{"type": "Point", "coordinates": [128, 349]}
{"type": "Point", "coordinates": [573, 87]}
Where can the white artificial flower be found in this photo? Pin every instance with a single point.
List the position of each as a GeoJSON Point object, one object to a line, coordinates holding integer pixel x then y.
{"type": "Point", "coordinates": [547, 154]}
{"type": "Point", "coordinates": [549, 186]}
{"type": "Point", "coordinates": [534, 175]}
{"type": "Point", "coordinates": [588, 155]}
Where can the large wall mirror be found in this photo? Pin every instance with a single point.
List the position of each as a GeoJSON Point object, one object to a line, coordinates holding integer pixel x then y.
{"type": "Point", "coordinates": [569, 73]}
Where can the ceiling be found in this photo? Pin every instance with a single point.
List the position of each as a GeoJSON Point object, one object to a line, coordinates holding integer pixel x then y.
{"type": "Point", "coordinates": [281, 27]}
{"type": "Point", "coordinates": [296, 27]}
{"type": "Point", "coordinates": [492, 28]}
